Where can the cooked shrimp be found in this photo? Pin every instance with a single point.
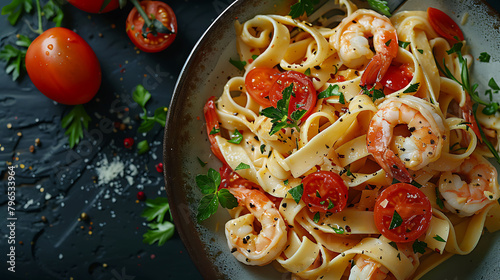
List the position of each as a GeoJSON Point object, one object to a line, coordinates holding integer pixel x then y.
{"type": "Point", "coordinates": [248, 246]}
{"type": "Point", "coordinates": [351, 41]}
{"type": "Point", "coordinates": [471, 187]}
{"type": "Point", "coordinates": [367, 269]}
{"type": "Point", "coordinates": [396, 153]}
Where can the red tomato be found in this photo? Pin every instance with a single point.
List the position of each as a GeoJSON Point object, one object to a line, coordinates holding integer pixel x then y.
{"type": "Point", "coordinates": [396, 77]}
{"type": "Point", "coordinates": [258, 82]}
{"type": "Point", "coordinates": [231, 179]}
{"type": "Point", "coordinates": [413, 207]}
{"type": "Point", "coordinates": [324, 191]}
{"type": "Point", "coordinates": [213, 127]}
{"type": "Point", "coordinates": [444, 25]}
{"type": "Point", "coordinates": [94, 6]}
{"type": "Point", "coordinates": [305, 94]}
{"type": "Point", "coordinates": [63, 66]}
{"type": "Point", "coordinates": [160, 11]}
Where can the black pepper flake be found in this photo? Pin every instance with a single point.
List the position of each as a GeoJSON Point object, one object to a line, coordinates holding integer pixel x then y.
{"type": "Point", "coordinates": [432, 141]}
{"type": "Point", "coordinates": [317, 67]}
{"type": "Point", "coordinates": [233, 250]}
{"type": "Point", "coordinates": [411, 129]}
{"type": "Point", "coordinates": [283, 205]}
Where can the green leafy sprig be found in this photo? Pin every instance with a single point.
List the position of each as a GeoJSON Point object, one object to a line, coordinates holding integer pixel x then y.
{"type": "Point", "coordinates": [279, 115]}
{"type": "Point", "coordinates": [141, 96]}
{"type": "Point", "coordinates": [373, 93]}
{"type": "Point", "coordinates": [209, 203]}
{"type": "Point", "coordinates": [332, 90]}
{"type": "Point", "coordinates": [160, 230]}
{"type": "Point", "coordinates": [151, 25]}
{"type": "Point", "coordinates": [380, 6]}
{"type": "Point", "coordinates": [15, 57]}
{"type": "Point", "coordinates": [490, 107]}
{"type": "Point", "coordinates": [301, 7]}
{"type": "Point", "coordinates": [74, 122]}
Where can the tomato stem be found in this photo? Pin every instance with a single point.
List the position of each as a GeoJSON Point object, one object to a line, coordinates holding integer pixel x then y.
{"type": "Point", "coordinates": [153, 25]}
{"type": "Point", "coordinates": [39, 11]}
{"type": "Point", "coordinates": [143, 14]}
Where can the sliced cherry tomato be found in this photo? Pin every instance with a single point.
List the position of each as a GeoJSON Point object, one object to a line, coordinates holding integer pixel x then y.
{"type": "Point", "coordinates": [213, 128]}
{"type": "Point", "coordinates": [231, 179]}
{"type": "Point", "coordinates": [63, 66]}
{"type": "Point", "coordinates": [324, 191]}
{"type": "Point", "coordinates": [303, 88]}
{"type": "Point", "coordinates": [154, 9]}
{"type": "Point", "coordinates": [94, 6]}
{"type": "Point", "coordinates": [397, 77]}
{"type": "Point", "coordinates": [444, 25]}
{"type": "Point", "coordinates": [413, 207]}
{"type": "Point", "coordinates": [258, 82]}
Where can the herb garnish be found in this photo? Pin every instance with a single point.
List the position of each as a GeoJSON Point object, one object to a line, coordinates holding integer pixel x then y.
{"type": "Point", "coordinates": [396, 220]}
{"type": "Point", "coordinates": [160, 229]}
{"type": "Point", "coordinates": [242, 166]}
{"type": "Point", "coordinates": [403, 44]}
{"type": "Point", "coordinates": [439, 238]}
{"type": "Point", "coordinates": [297, 192]}
{"type": "Point", "coordinates": [279, 114]}
{"type": "Point", "coordinates": [373, 92]}
{"type": "Point", "coordinates": [141, 96]}
{"type": "Point", "coordinates": [73, 123]}
{"type": "Point", "coordinates": [316, 217]}
{"type": "Point", "coordinates": [419, 246]}
{"type": "Point", "coordinates": [339, 230]}
{"type": "Point", "coordinates": [412, 88]}
{"type": "Point", "coordinates": [381, 6]}
{"type": "Point", "coordinates": [209, 203]}
{"type": "Point", "coordinates": [142, 147]}
{"type": "Point", "coordinates": [236, 137]}
{"type": "Point", "coordinates": [332, 90]}
{"type": "Point", "coordinates": [15, 57]}
{"type": "Point", "coordinates": [484, 57]}
{"type": "Point", "coordinates": [439, 201]}
{"type": "Point", "coordinates": [471, 90]}
{"type": "Point", "coordinates": [298, 9]}
{"type": "Point", "coordinates": [238, 64]}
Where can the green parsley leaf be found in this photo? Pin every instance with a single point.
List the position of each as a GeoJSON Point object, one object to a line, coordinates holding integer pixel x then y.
{"type": "Point", "coordinates": [330, 204]}
{"type": "Point", "coordinates": [396, 220]}
{"type": "Point", "coordinates": [254, 57]}
{"type": "Point", "coordinates": [318, 195]}
{"type": "Point", "coordinates": [262, 148]}
{"type": "Point", "coordinates": [298, 9]}
{"type": "Point", "coordinates": [394, 244]}
{"type": "Point", "coordinates": [339, 230]}
{"type": "Point", "coordinates": [202, 163]}
{"type": "Point", "coordinates": [439, 238]}
{"type": "Point", "coordinates": [209, 203]}
{"type": "Point", "coordinates": [227, 199]}
{"type": "Point", "coordinates": [242, 166]}
{"type": "Point", "coordinates": [74, 123]}
{"type": "Point", "coordinates": [493, 84]}
{"type": "Point", "coordinates": [316, 217]}
{"type": "Point", "coordinates": [490, 109]}
{"type": "Point", "coordinates": [419, 246]}
{"type": "Point", "coordinates": [159, 233]}
{"type": "Point", "coordinates": [484, 57]}
{"type": "Point", "coordinates": [380, 6]}
{"type": "Point", "coordinates": [373, 93]}
{"type": "Point", "coordinates": [307, 72]}
{"type": "Point", "coordinates": [403, 44]}
{"type": "Point", "coordinates": [214, 131]}
{"type": "Point", "coordinates": [331, 90]}
{"type": "Point", "coordinates": [156, 209]}
{"type": "Point", "coordinates": [141, 96]}
{"type": "Point", "coordinates": [238, 64]}
{"type": "Point", "coordinates": [207, 207]}
{"type": "Point", "coordinates": [236, 137]}
{"type": "Point", "coordinates": [16, 8]}
{"type": "Point", "coordinates": [285, 182]}
{"type": "Point", "coordinates": [416, 184]}
{"type": "Point", "coordinates": [388, 43]}
{"type": "Point", "coordinates": [23, 41]}
{"type": "Point", "coordinates": [420, 51]}
{"type": "Point", "coordinates": [146, 126]}
{"type": "Point", "coordinates": [439, 201]}
{"type": "Point", "coordinates": [52, 10]}
{"type": "Point", "coordinates": [297, 193]}
{"type": "Point", "coordinates": [279, 114]}
{"type": "Point", "coordinates": [15, 57]}
{"type": "Point", "coordinates": [142, 147]}
{"type": "Point", "coordinates": [412, 88]}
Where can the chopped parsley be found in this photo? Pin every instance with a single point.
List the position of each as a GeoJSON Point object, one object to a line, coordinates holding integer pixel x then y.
{"type": "Point", "coordinates": [74, 123]}
{"type": "Point", "coordinates": [332, 90]}
{"type": "Point", "coordinates": [238, 64]}
{"type": "Point", "coordinates": [396, 220]}
{"type": "Point", "coordinates": [484, 57]}
{"type": "Point", "coordinates": [439, 238]}
{"type": "Point", "coordinates": [141, 96]}
{"type": "Point", "coordinates": [403, 44]}
{"type": "Point", "coordinates": [419, 246]}
{"type": "Point", "coordinates": [236, 137]}
{"type": "Point", "coordinates": [297, 192]}
{"type": "Point", "coordinates": [439, 201]}
{"type": "Point", "coordinates": [242, 166]}
{"type": "Point", "coordinates": [373, 93]}
{"type": "Point", "coordinates": [412, 88]}
{"type": "Point", "coordinates": [301, 7]}
{"type": "Point", "coordinates": [316, 217]}
{"type": "Point", "coordinates": [380, 6]}
{"type": "Point", "coordinates": [209, 203]}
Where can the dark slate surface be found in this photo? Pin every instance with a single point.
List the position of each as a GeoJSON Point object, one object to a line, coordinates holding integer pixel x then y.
{"type": "Point", "coordinates": [60, 184]}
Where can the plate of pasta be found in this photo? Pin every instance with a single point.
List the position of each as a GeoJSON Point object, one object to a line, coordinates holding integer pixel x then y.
{"type": "Point", "coordinates": [336, 142]}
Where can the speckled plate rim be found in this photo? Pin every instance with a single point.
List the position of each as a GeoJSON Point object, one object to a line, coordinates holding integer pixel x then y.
{"type": "Point", "coordinates": [177, 137]}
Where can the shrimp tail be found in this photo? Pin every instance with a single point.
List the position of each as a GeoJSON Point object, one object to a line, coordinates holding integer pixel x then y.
{"type": "Point", "coordinates": [375, 70]}
{"type": "Point", "coordinates": [396, 167]}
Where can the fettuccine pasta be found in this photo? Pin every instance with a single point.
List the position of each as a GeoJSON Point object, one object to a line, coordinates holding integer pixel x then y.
{"type": "Point", "coordinates": [372, 108]}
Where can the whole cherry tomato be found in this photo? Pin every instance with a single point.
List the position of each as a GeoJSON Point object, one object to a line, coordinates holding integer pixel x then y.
{"type": "Point", "coordinates": [63, 66]}
{"type": "Point", "coordinates": [303, 88]}
{"type": "Point", "coordinates": [155, 10]}
{"type": "Point", "coordinates": [324, 191]}
{"type": "Point", "coordinates": [402, 212]}
{"type": "Point", "coordinates": [94, 6]}
{"type": "Point", "coordinates": [444, 25]}
{"type": "Point", "coordinates": [258, 82]}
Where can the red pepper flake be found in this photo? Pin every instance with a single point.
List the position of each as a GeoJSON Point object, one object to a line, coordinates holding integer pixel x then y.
{"type": "Point", "coordinates": [141, 196]}
{"type": "Point", "coordinates": [159, 167]}
{"type": "Point", "coordinates": [128, 142]}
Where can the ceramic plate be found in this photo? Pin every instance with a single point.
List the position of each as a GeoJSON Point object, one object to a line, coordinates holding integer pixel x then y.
{"type": "Point", "coordinates": [205, 74]}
